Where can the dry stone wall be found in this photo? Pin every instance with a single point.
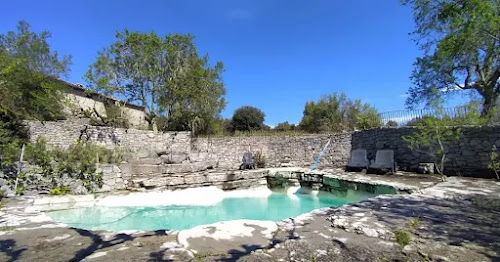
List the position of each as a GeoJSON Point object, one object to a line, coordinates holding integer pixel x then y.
{"type": "Point", "coordinates": [469, 156]}
{"type": "Point", "coordinates": [227, 152]}
{"type": "Point", "coordinates": [160, 154]}
{"type": "Point", "coordinates": [143, 143]}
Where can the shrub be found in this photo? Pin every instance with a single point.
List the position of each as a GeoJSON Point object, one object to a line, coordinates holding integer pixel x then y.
{"type": "Point", "coordinates": [79, 161]}
{"type": "Point", "coordinates": [334, 113]}
{"type": "Point", "coordinates": [260, 160]}
{"type": "Point", "coordinates": [494, 162]}
{"type": "Point", "coordinates": [402, 238]}
{"type": "Point", "coordinates": [248, 118]}
{"type": "Point", "coordinates": [414, 223]}
{"type": "Point", "coordinates": [432, 138]}
{"type": "Point", "coordinates": [284, 127]}
{"type": "Point", "coordinates": [62, 190]}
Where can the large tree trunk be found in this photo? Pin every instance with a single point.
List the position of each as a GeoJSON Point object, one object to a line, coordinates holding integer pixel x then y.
{"type": "Point", "coordinates": [490, 102]}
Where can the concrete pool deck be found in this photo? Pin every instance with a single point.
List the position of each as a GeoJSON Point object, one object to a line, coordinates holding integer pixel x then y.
{"type": "Point", "coordinates": [459, 221]}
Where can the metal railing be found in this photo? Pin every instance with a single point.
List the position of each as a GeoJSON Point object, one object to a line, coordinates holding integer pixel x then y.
{"type": "Point", "coordinates": [404, 117]}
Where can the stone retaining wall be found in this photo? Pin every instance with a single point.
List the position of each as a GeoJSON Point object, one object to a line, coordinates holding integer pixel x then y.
{"type": "Point", "coordinates": [469, 156]}
{"type": "Point", "coordinates": [227, 152]}
{"type": "Point", "coordinates": [143, 142]}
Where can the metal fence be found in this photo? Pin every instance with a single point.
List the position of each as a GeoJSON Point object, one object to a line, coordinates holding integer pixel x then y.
{"type": "Point", "coordinates": [403, 117]}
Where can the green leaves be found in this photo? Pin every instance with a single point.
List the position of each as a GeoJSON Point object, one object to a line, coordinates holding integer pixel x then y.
{"type": "Point", "coordinates": [248, 118]}
{"type": "Point", "coordinates": [164, 74]}
{"type": "Point", "coordinates": [433, 136]}
{"type": "Point", "coordinates": [461, 44]}
{"type": "Point", "coordinates": [29, 88]}
{"type": "Point", "coordinates": [338, 113]}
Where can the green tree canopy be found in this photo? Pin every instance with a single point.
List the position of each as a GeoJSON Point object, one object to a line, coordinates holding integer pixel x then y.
{"type": "Point", "coordinates": [334, 113]}
{"type": "Point", "coordinates": [164, 74]}
{"type": "Point", "coordinates": [460, 40]}
{"type": "Point", "coordinates": [29, 72]}
{"type": "Point", "coordinates": [284, 126]}
{"type": "Point", "coordinates": [248, 118]}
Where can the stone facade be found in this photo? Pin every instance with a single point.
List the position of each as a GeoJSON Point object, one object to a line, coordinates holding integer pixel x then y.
{"type": "Point", "coordinates": [227, 152]}
{"type": "Point", "coordinates": [469, 156]}
{"type": "Point", "coordinates": [78, 99]}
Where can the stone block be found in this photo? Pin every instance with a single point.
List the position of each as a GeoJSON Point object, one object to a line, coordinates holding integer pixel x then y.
{"type": "Point", "coordinates": [195, 179]}
{"type": "Point", "coordinates": [219, 177]}
{"type": "Point", "coordinates": [140, 169]}
{"type": "Point", "coordinates": [176, 168]}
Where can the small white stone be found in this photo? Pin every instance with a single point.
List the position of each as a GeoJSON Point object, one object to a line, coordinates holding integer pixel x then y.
{"type": "Point", "coordinates": [370, 232]}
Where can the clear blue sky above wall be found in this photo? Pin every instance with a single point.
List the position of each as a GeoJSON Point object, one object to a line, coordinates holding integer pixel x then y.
{"type": "Point", "coordinates": [277, 54]}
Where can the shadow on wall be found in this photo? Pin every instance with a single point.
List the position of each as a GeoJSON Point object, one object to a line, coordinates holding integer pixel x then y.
{"type": "Point", "coordinates": [469, 156]}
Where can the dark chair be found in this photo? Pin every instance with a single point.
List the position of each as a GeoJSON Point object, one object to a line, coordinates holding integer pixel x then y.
{"type": "Point", "coordinates": [248, 161]}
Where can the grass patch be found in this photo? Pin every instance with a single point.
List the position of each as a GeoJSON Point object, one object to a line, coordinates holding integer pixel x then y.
{"type": "Point", "coordinates": [7, 228]}
{"type": "Point", "coordinates": [402, 237]}
{"type": "Point", "coordinates": [414, 223]}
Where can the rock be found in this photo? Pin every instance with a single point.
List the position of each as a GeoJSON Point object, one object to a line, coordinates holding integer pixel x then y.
{"type": "Point", "coordinates": [425, 168]}
{"type": "Point", "coordinates": [116, 169]}
{"type": "Point", "coordinates": [143, 153]}
{"type": "Point", "coordinates": [439, 258]}
{"type": "Point", "coordinates": [105, 188]}
{"type": "Point", "coordinates": [165, 159]}
{"type": "Point", "coordinates": [475, 142]}
{"type": "Point", "coordinates": [176, 158]}
{"type": "Point", "coordinates": [370, 232]}
{"type": "Point", "coordinates": [110, 182]}
{"type": "Point", "coordinates": [80, 190]}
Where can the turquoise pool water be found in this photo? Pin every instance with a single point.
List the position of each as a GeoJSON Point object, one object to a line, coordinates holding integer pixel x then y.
{"type": "Point", "coordinates": [275, 207]}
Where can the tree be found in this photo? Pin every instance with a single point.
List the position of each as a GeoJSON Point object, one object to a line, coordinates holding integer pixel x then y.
{"type": "Point", "coordinates": [29, 72]}
{"type": "Point", "coordinates": [433, 137]}
{"type": "Point", "coordinates": [164, 74]}
{"type": "Point", "coordinates": [248, 118]}
{"type": "Point", "coordinates": [29, 86]}
{"type": "Point", "coordinates": [461, 44]}
{"type": "Point", "coordinates": [334, 113]}
{"type": "Point", "coordinates": [284, 127]}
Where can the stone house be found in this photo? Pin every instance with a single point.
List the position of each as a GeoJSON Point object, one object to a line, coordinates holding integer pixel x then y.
{"type": "Point", "coordinates": [79, 100]}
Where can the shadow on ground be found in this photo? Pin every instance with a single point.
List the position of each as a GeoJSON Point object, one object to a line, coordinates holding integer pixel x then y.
{"type": "Point", "coordinates": [8, 247]}
{"type": "Point", "coordinates": [455, 222]}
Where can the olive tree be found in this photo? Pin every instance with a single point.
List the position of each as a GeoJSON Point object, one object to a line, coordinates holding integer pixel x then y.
{"type": "Point", "coordinates": [164, 74]}
{"type": "Point", "coordinates": [460, 40]}
{"type": "Point", "coordinates": [432, 138]}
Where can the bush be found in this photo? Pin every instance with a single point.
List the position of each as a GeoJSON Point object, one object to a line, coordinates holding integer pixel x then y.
{"type": "Point", "coordinates": [334, 113]}
{"type": "Point", "coordinates": [79, 161]}
{"type": "Point", "coordinates": [284, 127]}
{"type": "Point", "coordinates": [62, 190]}
{"type": "Point", "coordinates": [260, 160]}
{"type": "Point", "coordinates": [248, 118]}
{"type": "Point", "coordinates": [402, 238]}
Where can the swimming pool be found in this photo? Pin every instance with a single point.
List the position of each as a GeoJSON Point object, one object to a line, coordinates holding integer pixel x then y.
{"type": "Point", "coordinates": [275, 206]}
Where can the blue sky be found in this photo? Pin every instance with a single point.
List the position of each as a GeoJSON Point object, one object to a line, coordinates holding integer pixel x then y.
{"type": "Point", "coordinates": [277, 54]}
